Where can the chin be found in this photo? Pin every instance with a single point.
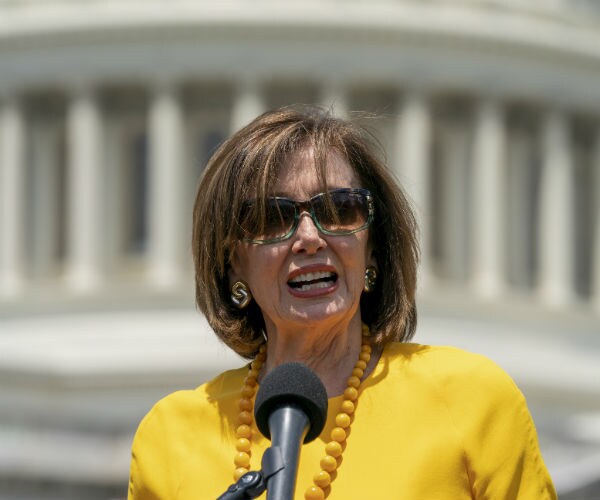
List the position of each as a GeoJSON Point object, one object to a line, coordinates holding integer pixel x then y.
{"type": "Point", "coordinates": [317, 313]}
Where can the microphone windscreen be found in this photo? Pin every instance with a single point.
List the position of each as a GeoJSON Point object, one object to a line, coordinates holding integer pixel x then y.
{"type": "Point", "coordinates": [292, 384]}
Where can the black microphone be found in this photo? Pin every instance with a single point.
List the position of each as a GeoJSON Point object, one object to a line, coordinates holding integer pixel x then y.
{"type": "Point", "coordinates": [290, 409]}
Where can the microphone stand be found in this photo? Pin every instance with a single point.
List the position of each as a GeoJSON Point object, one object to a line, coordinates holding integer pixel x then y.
{"type": "Point", "coordinates": [280, 461]}
{"type": "Point", "coordinates": [253, 483]}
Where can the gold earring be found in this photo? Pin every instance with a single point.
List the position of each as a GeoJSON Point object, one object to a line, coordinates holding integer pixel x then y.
{"type": "Point", "coordinates": [240, 294]}
{"type": "Point", "coordinates": [370, 279]}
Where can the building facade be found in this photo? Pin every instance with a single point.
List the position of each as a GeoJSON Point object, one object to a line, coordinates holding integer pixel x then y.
{"type": "Point", "coordinates": [488, 113]}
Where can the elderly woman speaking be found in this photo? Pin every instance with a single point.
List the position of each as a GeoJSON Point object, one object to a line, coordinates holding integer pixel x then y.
{"type": "Point", "coordinates": [305, 250]}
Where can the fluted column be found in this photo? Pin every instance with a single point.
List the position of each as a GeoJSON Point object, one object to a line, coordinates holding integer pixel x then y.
{"type": "Point", "coordinates": [85, 189]}
{"type": "Point", "coordinates": [412, 165]}
{"type": "Point", "coordinates": [12, 196]}
{"type": "Point", "coordinates": [166, 194]}
{"type": "Point", "coordinates": [556, 211]}
{"type": "Point", "coordinates": [488, 199]}
{"type": "Point", "coordinates": [334, 97]}
{"type": "Point", "coordinates": [596, 218]}
{"type": "Point", "coordinates": [248, 103]}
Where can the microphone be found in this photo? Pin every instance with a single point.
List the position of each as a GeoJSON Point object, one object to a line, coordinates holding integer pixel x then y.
{"type": "Point", "coordinates": [290, 409]}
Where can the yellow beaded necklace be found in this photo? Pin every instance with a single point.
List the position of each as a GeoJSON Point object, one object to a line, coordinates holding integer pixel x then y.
{"type": "Point", "coordinates": [333, 449]}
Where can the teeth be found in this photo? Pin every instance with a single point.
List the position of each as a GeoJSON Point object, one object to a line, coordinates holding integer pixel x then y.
{"type": "Point", "coordinates": [312, 286]}
{"type": "Point", "coordinates": [313, 276]}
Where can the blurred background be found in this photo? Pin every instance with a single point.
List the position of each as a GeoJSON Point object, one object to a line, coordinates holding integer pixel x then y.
{"type": "Point", "coordinates": [489, 113]}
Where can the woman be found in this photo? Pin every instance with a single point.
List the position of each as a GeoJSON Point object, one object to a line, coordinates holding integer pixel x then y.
{"type": "Point", "coordinates": [305, 250]}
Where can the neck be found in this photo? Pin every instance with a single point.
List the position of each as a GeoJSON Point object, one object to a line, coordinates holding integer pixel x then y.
{"type": "Point", "coordinates": [330, 352]}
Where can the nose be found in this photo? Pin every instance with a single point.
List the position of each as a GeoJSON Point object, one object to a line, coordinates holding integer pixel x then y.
{"type": "Point", "coordinates": [307, 238]}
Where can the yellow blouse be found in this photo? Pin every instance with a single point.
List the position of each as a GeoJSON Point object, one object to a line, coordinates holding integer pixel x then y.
{"type": "Point", "coordinates": [431, 423]}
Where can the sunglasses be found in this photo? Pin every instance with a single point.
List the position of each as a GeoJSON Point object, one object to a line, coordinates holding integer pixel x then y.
{"type": "Point", "coordinates": [337, 212]}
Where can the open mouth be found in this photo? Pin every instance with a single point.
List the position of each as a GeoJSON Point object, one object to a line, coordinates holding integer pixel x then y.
{"type": "Point", "coordinates": [313, 281]}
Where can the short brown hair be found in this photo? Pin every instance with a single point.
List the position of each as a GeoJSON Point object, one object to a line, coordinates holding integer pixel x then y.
{"type": "Point", "coordinates": [246, 166]}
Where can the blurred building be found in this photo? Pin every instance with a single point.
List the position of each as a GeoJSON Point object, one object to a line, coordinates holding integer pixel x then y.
{"type": "Point", "coordinates": [489, 111]}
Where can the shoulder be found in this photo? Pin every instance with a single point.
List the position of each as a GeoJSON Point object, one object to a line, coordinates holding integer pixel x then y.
{"type": "Point", "coordinates": [196, 403]}
{"type": "Point", "coordinates": [453, 371]}
{"type": "Point", "coordinates": [441, 360]}
{"type": "Point", "coordinates": [168, 435]}
{"type": "Point", "coordinates": [484, 411]}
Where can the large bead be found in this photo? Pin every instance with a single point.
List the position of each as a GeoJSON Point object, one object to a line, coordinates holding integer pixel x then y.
{"type": "Point", "coordinates": [314, 493]}
{"type": "Point", "coordinates": [333, 449]}
{"type": "Point", "coordinates": [338, 434]}
{"type": "Point", "coordinates": [245, 404]}
{"type": "Point", "coordinates": [247, 391]}
{"type": "Point", "coordinates": [351, 393]}
{"type": "Point", "coordinates": [243, 444]}
{"type": "Point", "coordinates": [245, 417]}
{"type": "Point", "coordinates": [353, 381]}
{"type": "Point", "coordinates": [239, 472]}
{"type": "Point", "coordinates": [243, 431]}
{"type": "Point", "coordinates": [347, 407]}
{"type": "Point", "coordinates": [322, 479]}
{"type": "Point", "coordinates": [241, 459]}
{"type": "Point", "coordinates": [342, 420]}
{"type": "Point", "coordinates": [328, 463]}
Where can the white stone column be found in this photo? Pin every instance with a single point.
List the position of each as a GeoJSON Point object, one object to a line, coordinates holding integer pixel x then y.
{"type": "Point", "coordinates": [248, 103]}
{"type": "Point", "coordinates": [85, 191]}
{"type": "Point", "coordinates": [334, 97]}
{"type": "Point", "coordinates": [596, 208]}
{"type": "Point", "coordinates": [12, 196]}
{"type": "Point", "coordinates": [556, 278]}
{"type": "Point", "coordinates": [488, 183]}
{"type": "Point", "coordinates": [167, 219]}
{"type": "Point", "coordinates": [412, 167]}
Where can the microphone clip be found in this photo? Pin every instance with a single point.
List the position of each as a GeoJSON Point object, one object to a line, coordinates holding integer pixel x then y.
{"type": "Point", "coordinates": [252, 484]}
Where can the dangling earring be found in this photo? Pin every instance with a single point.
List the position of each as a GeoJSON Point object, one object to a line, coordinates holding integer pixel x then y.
{"type": "Point", "coordinates": [370, 279]}
{"type": "Point", "coordinates": [240, 294]}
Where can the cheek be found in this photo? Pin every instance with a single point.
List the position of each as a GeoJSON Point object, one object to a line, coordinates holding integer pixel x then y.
{"type": "Point", "coordinates": [263, 265]}
{"type": "Point", "coordinates": [355, 263]}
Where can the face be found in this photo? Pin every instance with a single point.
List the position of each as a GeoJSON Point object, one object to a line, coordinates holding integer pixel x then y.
{"type": "Point", "coordinates": [310, 278]}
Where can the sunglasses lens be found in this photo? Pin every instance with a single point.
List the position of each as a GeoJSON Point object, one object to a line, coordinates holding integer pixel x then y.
{"type": "Point", "coordinates": [346, 211]}
{"type": "Point", "coordinates": [278, 220]}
